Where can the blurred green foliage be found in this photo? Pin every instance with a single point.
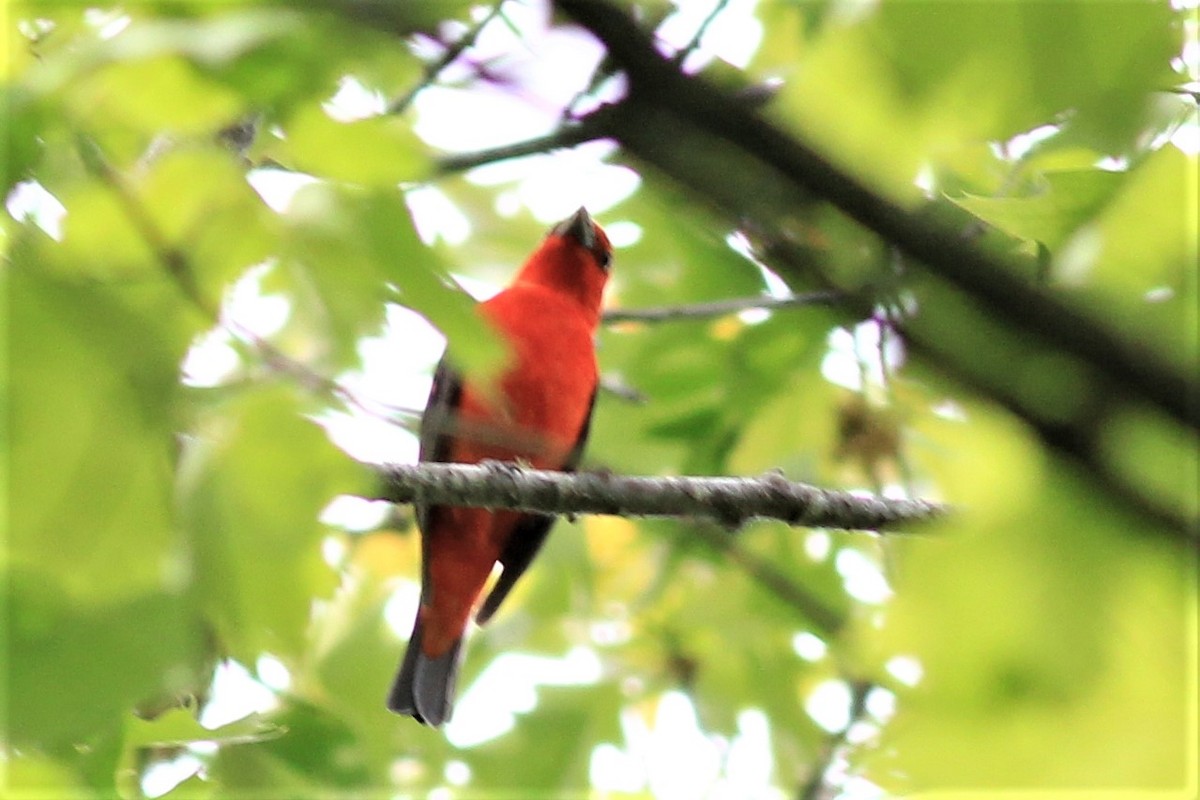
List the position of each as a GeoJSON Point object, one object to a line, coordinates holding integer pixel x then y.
{"type": "Point", "coordinates": [159, 529]}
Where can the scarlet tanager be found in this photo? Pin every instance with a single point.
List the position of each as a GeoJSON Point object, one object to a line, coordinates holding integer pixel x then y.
{"type": "Point", "coordinates": [536, 412]}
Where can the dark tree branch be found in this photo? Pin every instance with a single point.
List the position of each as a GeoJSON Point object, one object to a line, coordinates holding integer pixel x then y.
{"type": "Point", "coordinates": [1076, 439]}
{"type": "Point", "coordinates": [729, 501]}
{"type": "Point", "coordinates": [719, 308]}
{"type": "Point", "coordinates": [584, 129]}
{"type": "Point", "coordinates": [980, 322]}
{"type": "Point", "coordinates": [657, 87]}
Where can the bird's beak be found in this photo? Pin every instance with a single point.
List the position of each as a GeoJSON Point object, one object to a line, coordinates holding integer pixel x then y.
{"type": "Point", "coordinates": [578, 226]}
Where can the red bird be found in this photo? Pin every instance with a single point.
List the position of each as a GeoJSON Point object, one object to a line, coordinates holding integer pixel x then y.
{"type": "Point", "coordinates": [536, 412]}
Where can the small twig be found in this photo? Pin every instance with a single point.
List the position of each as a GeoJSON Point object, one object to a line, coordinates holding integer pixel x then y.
{"type": "Point", "coordinates": [729, 501]}
{"type": "Point", "coordinates": [453, 51]}
{"type": "Point", "coordinates": [178, 267]}
{"type": "Point", "coordinates": [770, 578]}
{"type": "Point", "coordinates": [698, 36]}
{"type": "Point", "coordinates": [279, 363]}
{"type": "Point", "coordinates": [603, 71]}
{"type": "Point", "coordinates": [584, 129]}
{"type": "Point", "coordinates": [831, 750]}
{"type": "Point", "coordinates": [719, 308]}
{"type": "Point", "coordinates": [172, 259]}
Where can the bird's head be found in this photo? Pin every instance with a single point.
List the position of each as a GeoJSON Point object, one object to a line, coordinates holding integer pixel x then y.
{"type": "Point", "coordinates": [574, 258]}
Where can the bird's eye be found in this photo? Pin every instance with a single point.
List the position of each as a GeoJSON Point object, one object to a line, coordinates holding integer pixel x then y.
{"type": "Point", "coordinates": [604, 258]}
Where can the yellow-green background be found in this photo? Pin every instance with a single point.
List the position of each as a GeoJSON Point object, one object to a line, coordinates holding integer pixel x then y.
{"type": "Point", "coordinates": [154, 529]}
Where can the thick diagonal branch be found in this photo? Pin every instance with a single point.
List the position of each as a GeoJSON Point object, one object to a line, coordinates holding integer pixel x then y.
{"type": "Point", "coordinates": [660, 94]}
{"type": "Point", "coordinates": [729, 501]}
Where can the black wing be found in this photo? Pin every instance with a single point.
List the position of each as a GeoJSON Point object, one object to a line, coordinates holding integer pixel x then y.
{"type": "Point", "coordinates": [530, 533]}
{"type": "Point", "coordinates": [436, 435]}
{"type": "Point", "coordinates": [437, 421]}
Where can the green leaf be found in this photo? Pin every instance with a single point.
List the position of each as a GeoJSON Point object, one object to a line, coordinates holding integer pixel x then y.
{"type": "Point", "coordinates": [1054, 663]}
{"type": "Point", "coordinates": [213, 41]}
{"type": "Point", "coordinates": [369, 236]}
{"type": "Point", "coordinates": [1037, 59]}
{"type": "Point", "coordinates": [353, 655]}
{"type": "Point", "coordinates": [99, 238]}
{"type": "Point", "coordinates": [427, 289]}
{"type": "Point", "coordinates": [97, 578]}
{"type": "Point", "coordinates": [843, 96]}
{"type": "Point", "coordinates": [93, 386]}
{"type": "Point", "coordinates": [243, 771]}
{"type": "Point", "coordinates": [318, 750]}
{"type": "Point", "coordinates": [1158, 457]}
{"type": "Point", "coordinates": [254, 477]}
{"type": "Point", "coordinates": [549, 752]}
{"type": "Point", "coordinates": [79, 668]}
{"type": "Point", "coordinates": [793, 430]}
{"type": "Point", "coordinates": [194, 788]}
{"type": "Point", "coordinates": [179, 727]}
{"type": "Point", "coordinates": [156, 95]}
{"type": "Point", "coordinates": [30, 775]}
{"type": "Point", "coordinates": [21, 118]}
{"type": "Point", "coordinates": [335, 290]}
{"type": "Point", "coordinates": [1062, 203]}
{"type": "Point", "coordinates": [377, 151]}
{"type": "Point", "coordinates": [1147, 235]}
{"type": "Point", "coordinates": [681, 249]}
{"type": "Point", "coordinates": [899, 89]}
{"type": "Point", "coordinates": [401, 19]}
{"type": "Point", "coordinates": [200, 204]}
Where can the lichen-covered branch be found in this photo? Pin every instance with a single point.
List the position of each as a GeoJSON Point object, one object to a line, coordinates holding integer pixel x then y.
{"type": "Point", "coordinates": [729, 501]}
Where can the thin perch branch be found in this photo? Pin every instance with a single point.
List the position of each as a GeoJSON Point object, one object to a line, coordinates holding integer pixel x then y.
{"type": "Point", "coordinates": [729, 501]}
{"type": "Point", "coordinates": [719, 308]}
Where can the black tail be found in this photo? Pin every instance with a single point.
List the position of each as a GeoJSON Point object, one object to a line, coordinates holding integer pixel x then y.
{"type": "Point", "coordinates": [424, 687]}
